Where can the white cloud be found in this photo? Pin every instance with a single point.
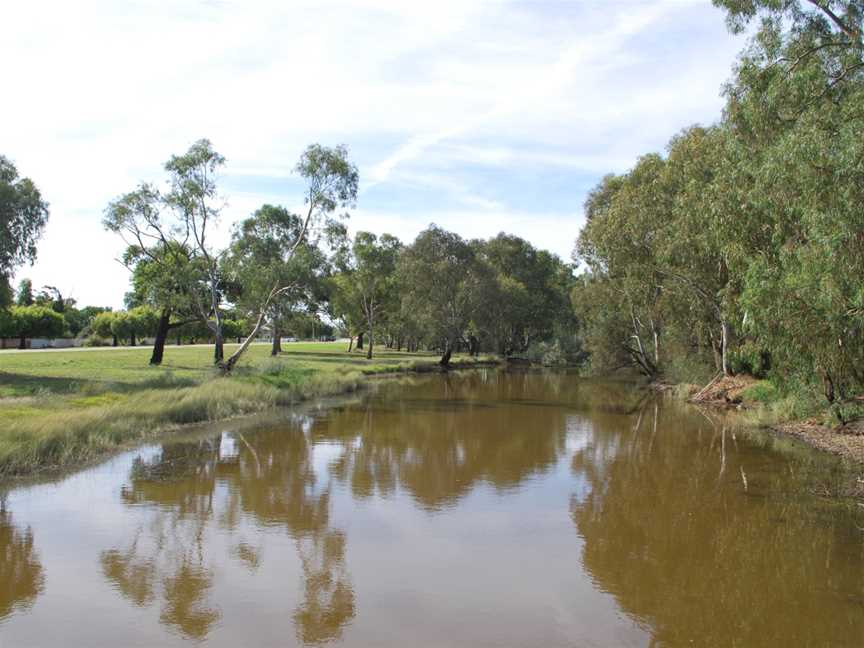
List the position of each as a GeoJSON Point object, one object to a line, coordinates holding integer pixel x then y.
{"type": "Point", "coordinates": [436, 96]}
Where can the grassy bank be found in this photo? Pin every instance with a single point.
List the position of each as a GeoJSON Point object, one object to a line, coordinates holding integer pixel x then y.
{"type": "Point", "coordinates": [62, 408]}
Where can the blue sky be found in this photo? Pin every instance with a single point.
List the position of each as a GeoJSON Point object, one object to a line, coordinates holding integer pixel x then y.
{"type": "Point", "coordinates": [478, 116]}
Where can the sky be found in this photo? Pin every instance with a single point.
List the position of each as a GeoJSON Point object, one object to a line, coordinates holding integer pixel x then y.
{"type": "Point", "coordinates": [480, 117]}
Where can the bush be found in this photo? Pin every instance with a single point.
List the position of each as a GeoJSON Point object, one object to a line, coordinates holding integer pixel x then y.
{"type": "Point", "coordinates": [750, 359]}
{"type": "Point", "coordinates": [761, 392]}
{"type": "Point", "coordinates": [563, 351]}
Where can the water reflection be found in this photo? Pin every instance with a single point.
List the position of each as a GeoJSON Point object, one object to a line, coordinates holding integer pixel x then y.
{"type": "Point", "coordinates": [167, 557]}
{"type": "Point", "coordinates": [700, 540]}
{"type": "Point", "coordinates": [479, 508]}
{"type": "Point", "coordinates": [21, 577]}
{"type": "Point", "coordinates": [438, 440]}
{"type": "Point", "coordinates": [268, 477]}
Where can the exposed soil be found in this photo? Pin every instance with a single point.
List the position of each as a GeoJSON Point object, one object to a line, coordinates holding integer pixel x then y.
{"type": "Point", "coordinates": [846, 441]}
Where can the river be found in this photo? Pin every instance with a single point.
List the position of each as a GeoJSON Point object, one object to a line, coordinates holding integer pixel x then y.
{"type": "Point", "coordinates": [480, 508]}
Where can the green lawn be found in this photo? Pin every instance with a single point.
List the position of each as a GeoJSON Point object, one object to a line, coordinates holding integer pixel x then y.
{"type": "Point", "coordinates": [60, 408]}
{"type": "Point", "coordinates": [126, 370]}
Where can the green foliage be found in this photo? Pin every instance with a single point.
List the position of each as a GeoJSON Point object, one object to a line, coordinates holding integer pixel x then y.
{"type": "Point", "coordinates": [24, 296]}
{"type": "Point", "coordinates": [332, 180]}
{"type": "Point", "coordinates": [101, 323]}
{"type": "Point", "coordinates": [745, 242]}
{"type": "Point", "coordinates": [366, 288]}
{"type": "Point", "coordinates": [35, 321]}
{"type": "Point", "coordinates": [529, 294]}
{"type": "Point", "coordinates": [270, 251]}
{"type": "Point", "coordinates": [751, 359]}
{"type": "Point", "coordinates": [762, 392]}
{"type": "Point", "coordinates": [23, 215]}
{"type": "Point", "coordinates": [441, 278]}
{"type": "Point", "coordinates": [561, 351]}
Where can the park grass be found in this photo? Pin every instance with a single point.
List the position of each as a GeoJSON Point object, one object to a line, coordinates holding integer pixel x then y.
{"type": "Point", "coordinates": [60, 409]}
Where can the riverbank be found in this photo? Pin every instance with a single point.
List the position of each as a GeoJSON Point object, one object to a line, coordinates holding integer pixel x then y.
{"type": "Point", "coordinates": [61, 409]}
{"type": "Point", "coordinates": [763, 406]}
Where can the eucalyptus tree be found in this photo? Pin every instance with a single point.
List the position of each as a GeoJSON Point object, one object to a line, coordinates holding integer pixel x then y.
{"type": "Point", "coordinates": [343, 305]}
{"type": "Point", "coordinates": [694, 254]}
{"type": "Point", "coordinates": [258, 258]}
{"type": "Point", "coordinates": [331, 183]}
{"type": "Point", "coordinates": [625, 217]}
{"type": "Point", "coordinates": [164, 279]}
{"type": "Point", "coordinates": [533, 289]}
{"type": "Point", "coordinates": [796, 103]}
{"type": "Point", "coordinates": [167, 274]}
{"type": "Point", "coordinates": [23, 216]}
{"type": "Point", "coordinates": [194, 196]}
{"type": "Point", "coordinates": [368, 281]}
{"type": "Point", "coordinates": [440, 272]}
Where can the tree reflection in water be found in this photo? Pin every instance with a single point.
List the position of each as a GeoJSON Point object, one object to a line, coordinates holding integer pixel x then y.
{"type": "Point", "coordinates": [166, 557]}
{"type": "Point", "coordinates": [269, 476]}
{"type": "Point", "coordinates": [439, 439]}
{"type": "Point", "coordinates": [701, 558]}
{"type": "Point", "coordinates": [21, 577]}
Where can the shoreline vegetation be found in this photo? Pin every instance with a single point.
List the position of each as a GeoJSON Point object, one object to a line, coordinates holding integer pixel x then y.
{"type": "Point", "coordinates": [66, 409]}
{"type": "Point", "coordinates": [761, 405]}
{"type": "Point", "coordinates": [63, 409]}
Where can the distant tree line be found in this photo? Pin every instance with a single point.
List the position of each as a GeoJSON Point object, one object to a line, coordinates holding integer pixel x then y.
{"type": "Point", "coordinates": [282, 272]}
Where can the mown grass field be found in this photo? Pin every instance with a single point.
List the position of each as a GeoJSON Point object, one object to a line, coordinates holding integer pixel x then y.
{"type": "Point", "coordinates": [59, 408]}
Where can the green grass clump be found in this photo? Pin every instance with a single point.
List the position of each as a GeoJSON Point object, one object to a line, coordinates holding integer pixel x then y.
{"type": "Point", "coordinates": [761, 392]}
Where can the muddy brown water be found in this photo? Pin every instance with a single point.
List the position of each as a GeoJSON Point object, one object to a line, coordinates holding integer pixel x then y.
{"type": "Point", "coordinates": [475, 509]}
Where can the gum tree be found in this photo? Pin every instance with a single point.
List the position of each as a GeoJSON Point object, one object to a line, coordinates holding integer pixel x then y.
{"type": "Point", "coordinates": [256, 261]}
{"type": "Point", "coordinates": [195, 198]}
{"type": "Point", "coordinates": [368, 281]}
{"type": "Point", "coordinates": [23, 215]}
{"type": "Point", "coordinates": [166, 272]}
{"type": "Point", "coordinates": [331, 183]}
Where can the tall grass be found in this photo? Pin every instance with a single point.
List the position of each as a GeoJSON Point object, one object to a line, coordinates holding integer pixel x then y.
{"type": "Point", "coordinates": [63, 437]}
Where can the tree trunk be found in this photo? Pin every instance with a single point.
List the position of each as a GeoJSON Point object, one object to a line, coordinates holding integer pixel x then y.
{"type": "Point", "coordinates": [715, 350]}
{"type": "Point", "coordinates": [828, 387]}
{"type": "Point", "coordinates": [360, 341]}
{"type": "Point", "coordinates": [474, 344]}
{"type": "Point", "coordinates": [277, 342]}
{"type": "Point", "coordinates": [178, 339]}
{"type": "Point", "coordinates": [448, 352]}
{"type": "Point", "coordinates": [114, 340]}
{"type": "Point", "coordinates": [131, 339]}
{"type": "Point", "coordinates": [161, 335]}
{"type": "Point", "coordinates": [218, 348]}
{"type": "Point", "coordinates": [226, 367]}
{"type": "Point", "coordinates": [724, 344]}
{"type": "Point", "coordinates": [369, 350]}
{"type": "Point", "coordinates": [656, 336]}
{"type": "Point", "coordinates": [22, 342]}
{"type": "Point", "coordinates": [350, 343]}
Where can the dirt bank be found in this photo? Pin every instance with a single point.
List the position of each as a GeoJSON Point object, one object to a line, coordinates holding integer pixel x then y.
{"type": "Point", "coordinates": [846, 441]}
